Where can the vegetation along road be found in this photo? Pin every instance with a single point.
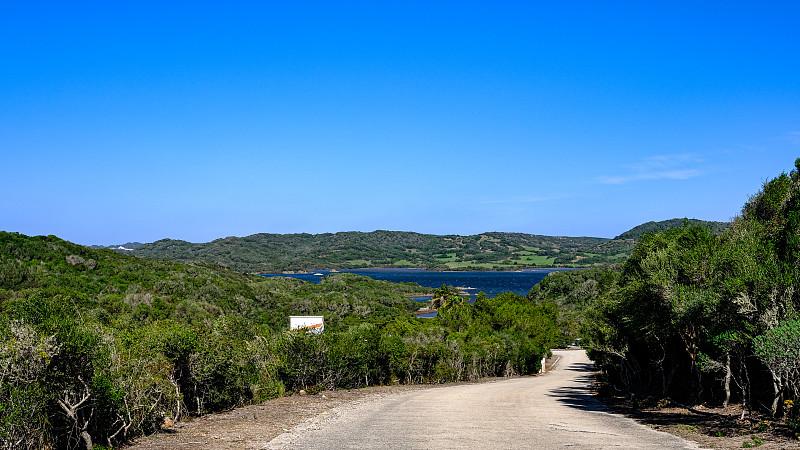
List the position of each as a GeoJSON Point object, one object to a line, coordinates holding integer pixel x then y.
{"type": "Point", "coordinates": [548, 411]}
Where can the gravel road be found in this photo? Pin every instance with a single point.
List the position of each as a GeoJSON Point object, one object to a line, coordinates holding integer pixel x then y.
{"type": "Point", "coordinates": [554, 410]}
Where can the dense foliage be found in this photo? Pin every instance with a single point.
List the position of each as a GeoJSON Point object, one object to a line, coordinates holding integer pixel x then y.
{"type": "Point", "coordinates": [98, 347]}
{"type": "Point", "coordinates": [351, 250]}
{"type": "Point", "coordinates": [574, 292]}
{"type": "Point", "coordinates": [706, 317]}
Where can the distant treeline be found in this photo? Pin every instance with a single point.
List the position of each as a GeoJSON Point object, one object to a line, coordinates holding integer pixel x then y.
{"type": "Point", "coordinates": [97, 348]}
{"type": "Point", "coordinates": [698, 315]}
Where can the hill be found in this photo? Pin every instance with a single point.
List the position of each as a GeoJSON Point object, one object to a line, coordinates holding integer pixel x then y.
{"type": "Point", "coordinates": [276, 253]}
{"type": "Point", "coordinates": [664, 225]}
{"type": "Point", "coordinates": [349, 250]}
{"type": "Point", "coordinates": [100, 347]}
{"type": "Point", "coordinates": [125, 249]}
{"type": "Point", "coordinates": [126, 288]}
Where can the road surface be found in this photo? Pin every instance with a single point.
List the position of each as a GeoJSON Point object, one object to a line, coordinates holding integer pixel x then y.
{"type": "Point", "coordinates": [553, 410]}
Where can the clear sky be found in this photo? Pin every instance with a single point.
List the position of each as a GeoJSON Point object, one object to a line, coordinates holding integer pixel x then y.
{"type": "Point", "coordinates": [136, 121]}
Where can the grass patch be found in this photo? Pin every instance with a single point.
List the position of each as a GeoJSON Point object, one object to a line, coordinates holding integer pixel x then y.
{"type": "Point", "coordinates": [405, 263]}
{"type": "Point", "coordinates": [534, 259]}
{"type": "Point", "coordinates": [451, 257]}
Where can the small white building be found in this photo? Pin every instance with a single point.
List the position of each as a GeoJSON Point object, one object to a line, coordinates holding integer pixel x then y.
{"type": "Point", "coordinates": [315, 324]}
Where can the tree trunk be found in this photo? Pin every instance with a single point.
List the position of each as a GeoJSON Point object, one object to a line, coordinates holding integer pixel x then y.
{"type": "Point", "coordinates": [176, 416]}
{"type": "Point", "coordinates": [71, 410]}
{"type": "Point", "coordinates": [745, 387]}
{"type": "Point", "coordinates": [776, 387]}
{"type": "Point", "coordinates": [727, 380]}
{"type": "Point", "coordinates": [87, 439]}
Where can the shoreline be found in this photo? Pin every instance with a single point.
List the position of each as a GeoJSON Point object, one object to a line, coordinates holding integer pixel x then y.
{"type": "Point", "coordinates": [415, 269]}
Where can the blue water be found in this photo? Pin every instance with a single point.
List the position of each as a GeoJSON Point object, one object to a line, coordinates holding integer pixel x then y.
{"type": "Point", "coordinates": [490, 283]}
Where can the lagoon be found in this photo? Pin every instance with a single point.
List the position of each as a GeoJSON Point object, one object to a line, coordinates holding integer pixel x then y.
{"type": "Point", "coordinates": [492, 283]}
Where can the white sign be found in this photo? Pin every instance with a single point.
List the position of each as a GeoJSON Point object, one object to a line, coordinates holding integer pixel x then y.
{"type": "Point", "coordinates": [314, 324]}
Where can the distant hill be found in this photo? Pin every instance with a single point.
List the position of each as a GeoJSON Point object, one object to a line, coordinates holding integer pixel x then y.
{"type": "Point", "coordinates": [123, 248]}
{"type": "Point", "coordinates": [350, 250]}
{"type": "Point", "coordinates": [275, 253]}
{"type": "Point", "coordinates": [654, 227]}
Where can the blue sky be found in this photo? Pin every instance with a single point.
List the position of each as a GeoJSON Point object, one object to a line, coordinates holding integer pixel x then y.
{"type": "Point", "coordinates": [198, 121]}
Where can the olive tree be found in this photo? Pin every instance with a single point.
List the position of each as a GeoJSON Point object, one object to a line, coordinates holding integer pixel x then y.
{"type": "Point", "coordinates": [779, 350]}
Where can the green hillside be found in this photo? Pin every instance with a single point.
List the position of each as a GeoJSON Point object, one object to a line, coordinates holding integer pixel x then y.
{"type": "Point", "coordinates": [351, 250]}
{"type": "Point", "coordinates": [119, 287]}
{"type": "Point", "coordinates": [664, 225]}
{"type": "Point", "coordinates": [275, 253]}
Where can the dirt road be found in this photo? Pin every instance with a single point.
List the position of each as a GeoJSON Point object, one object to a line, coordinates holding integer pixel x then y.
{"type": "Point", "coordinates": [554, 410]}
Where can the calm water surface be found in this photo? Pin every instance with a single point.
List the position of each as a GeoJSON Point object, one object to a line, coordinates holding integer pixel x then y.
{"type": "Point", "coordinates": [490, 283]}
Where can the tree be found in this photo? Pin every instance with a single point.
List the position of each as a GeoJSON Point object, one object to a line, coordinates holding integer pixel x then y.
{"type": "Point", "coordinates": [779, 350]}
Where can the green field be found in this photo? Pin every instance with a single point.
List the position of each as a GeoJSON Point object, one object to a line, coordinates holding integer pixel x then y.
{"type": "Point", "coordinates": [451, 257]}
{"type": "Point", "coordinates": [405, 263]}
{"type": "Point", "coordinates": [528, 258]}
